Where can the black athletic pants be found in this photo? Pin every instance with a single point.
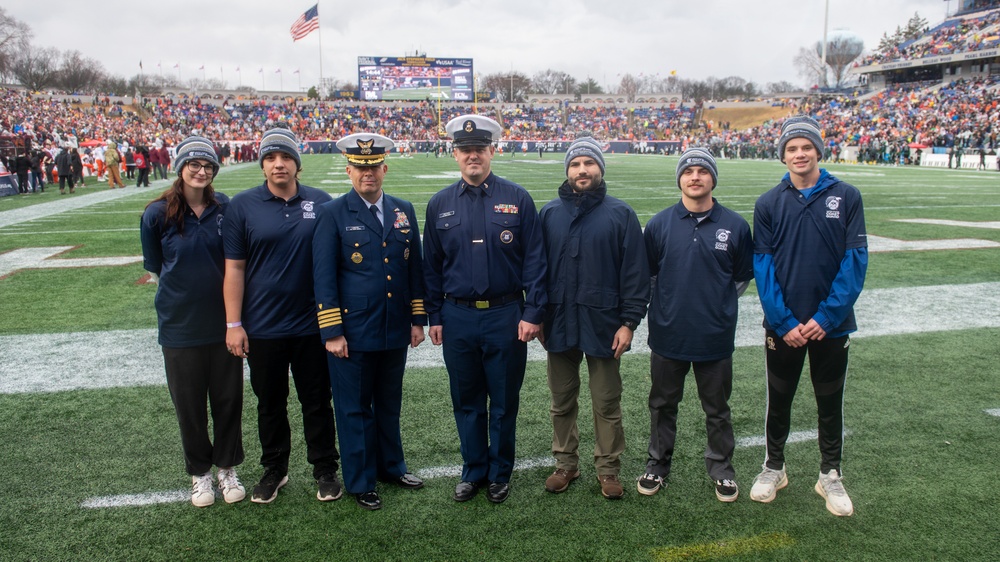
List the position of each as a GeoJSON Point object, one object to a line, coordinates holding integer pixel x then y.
{"type": "Point", "coordinates": [828, 369]}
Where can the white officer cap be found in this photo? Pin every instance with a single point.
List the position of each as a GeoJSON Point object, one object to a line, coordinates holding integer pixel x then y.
{"type": "Point", "coordinates": [365, 149]}
{"type": "Point", "coordinates": [473, 130]}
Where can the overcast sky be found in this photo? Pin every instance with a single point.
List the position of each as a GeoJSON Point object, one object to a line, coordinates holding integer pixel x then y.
{"type": "Point", "coordinates": [756, 40]}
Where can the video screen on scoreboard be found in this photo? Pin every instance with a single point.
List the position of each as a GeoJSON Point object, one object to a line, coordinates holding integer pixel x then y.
{"type": "Point", "coordinates": [414, 78]}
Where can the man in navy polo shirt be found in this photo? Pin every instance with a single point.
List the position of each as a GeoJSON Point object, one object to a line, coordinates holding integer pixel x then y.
{"type": "Point", "coordinates": [484, 266]}
{"type": "Point", "coordinates": [270, 314]}
{"type": "Point", "coordinates": [701, 256]}
{"type": "Point", "coordinates": [370, 305]}
{"type": "Point", "coordinates": [810, 260]}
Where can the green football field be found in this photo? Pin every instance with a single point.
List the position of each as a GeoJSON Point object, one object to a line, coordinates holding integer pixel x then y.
{"type": "Point", "coordinates": [92, 462]}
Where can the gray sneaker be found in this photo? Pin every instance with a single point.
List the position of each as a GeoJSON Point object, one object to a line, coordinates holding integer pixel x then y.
{"type": "Point", "coordinates": [329, 487]}
{"type": "Point", "coordinates": [832, 489]}
{"type": "Point", "coordinates": [766, 485]}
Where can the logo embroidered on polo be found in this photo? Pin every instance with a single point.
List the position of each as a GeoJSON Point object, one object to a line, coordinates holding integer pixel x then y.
{"type": "Point", "coordinates": [307, 210]}
{"type": "Point", "coordinates": [722, 239]}
{"type": "Point", "coordinates": [505, 208]}
{"type": "Point", "coordinates": [833, 204]}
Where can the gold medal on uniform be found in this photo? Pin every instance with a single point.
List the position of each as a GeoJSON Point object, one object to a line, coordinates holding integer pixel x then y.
{"type": "Point", "coordinates": [356, 257]}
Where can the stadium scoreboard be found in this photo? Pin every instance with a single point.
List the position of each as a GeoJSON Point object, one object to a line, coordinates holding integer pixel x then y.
{"type": "Point", "coordinates": [415, 78]}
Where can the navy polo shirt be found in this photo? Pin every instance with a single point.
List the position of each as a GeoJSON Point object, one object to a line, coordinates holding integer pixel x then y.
{"type": "Point", "coordinates": [274, 236]}
{"type": "Point", "coordinates": [693, 309]}
{"type": "Point", "coordinates": [189, 307]}
{"type": "Point", "coordinates": [514, 252]}
{"type": "Point", "coordinates": [807, 239]}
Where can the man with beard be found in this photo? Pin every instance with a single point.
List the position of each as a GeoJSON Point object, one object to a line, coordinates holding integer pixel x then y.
{"type": "Point", "coordinates": [598, 285]}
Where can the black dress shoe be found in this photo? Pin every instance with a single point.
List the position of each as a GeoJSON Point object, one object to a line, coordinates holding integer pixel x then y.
{"type": "Point", "coordinates": [465, 491]}
{"type": "Point", "coordinates": [369, 500]}
{"type": "Point", "coordinates": [409, 482]}
{"type": "Point", "coordinates": [499, 491]}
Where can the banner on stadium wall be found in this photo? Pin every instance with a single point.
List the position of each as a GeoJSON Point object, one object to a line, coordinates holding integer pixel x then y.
{"type": "Point", "coordinates": [930, 61]}
{"type": "Point", "coordinates": [8, 185]}
{"type": "Point", "coordinates": [528, 146]}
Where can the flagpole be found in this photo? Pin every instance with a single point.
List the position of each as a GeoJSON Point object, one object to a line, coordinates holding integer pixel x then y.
{"type": "Point", "coordinates": [319, 30]}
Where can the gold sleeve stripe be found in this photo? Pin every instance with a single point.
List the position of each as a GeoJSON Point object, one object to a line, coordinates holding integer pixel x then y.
{"type": "Point", "coordinates": [329, 323]}
{"type": "Point", "coordinates": [331, 312]}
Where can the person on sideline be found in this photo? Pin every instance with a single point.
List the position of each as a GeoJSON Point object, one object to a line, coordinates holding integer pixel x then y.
{"type": "Point", "coordinates": [271, 319]}
{"type": "Point", "coordinates": [484, 265]}
{"type": "Point", "coordinates": [368, 279]}
{"type": "Point", "coordinates": [598, 286]}
{"type": "Point", "coordinates": [181, 233]}
{"type": "Point", "coordinates": [701, 257]}
{"type": "Point", "coordinates": [810, 260]}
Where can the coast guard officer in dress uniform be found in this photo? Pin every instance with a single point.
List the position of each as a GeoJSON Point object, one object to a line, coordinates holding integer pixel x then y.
{"type": "Point", "coordinates": [370, 304]}
{"type": "Point", "coordinates": [485, 276]}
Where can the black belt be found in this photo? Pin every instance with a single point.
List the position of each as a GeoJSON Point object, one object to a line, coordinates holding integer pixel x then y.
{"type": "Point", "coordinates": [489, 303]}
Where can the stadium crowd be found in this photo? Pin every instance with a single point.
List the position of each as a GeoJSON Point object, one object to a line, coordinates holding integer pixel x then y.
{"type": "Point", "coordinates": [956, 35]}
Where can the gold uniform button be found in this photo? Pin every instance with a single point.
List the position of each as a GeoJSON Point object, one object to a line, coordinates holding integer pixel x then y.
{"type": "Point", "coordinates": [386, 260]}
{"type": "Point", "coordinates": [388, 277]}
{"type": "Point", "coordinates": [356, 244]}
{"type": "Point", "coordinates": [383, 244]}
{"type": "Point", "coordinates": [389, 295]}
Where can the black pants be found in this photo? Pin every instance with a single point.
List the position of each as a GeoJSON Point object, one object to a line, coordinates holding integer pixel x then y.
{"type": "Point", "coordinates": [198, 377]}
{"type": "Point", "coordinates": [715, 385]}
{"type": "Point", "coordinates": [63, 179]}
{"type": "Point", "coordinates": [270, 361]}
{"type": "Point", "coordinates": [22, 183]}
{"type": "Point", "coordinates": [143, 178]}
{"type": "Point", "coordinates": [828, 369]}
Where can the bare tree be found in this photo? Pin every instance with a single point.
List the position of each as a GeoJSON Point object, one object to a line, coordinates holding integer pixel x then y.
{"type": "Point", "coordinates": [14, 37]}
{"type": "Point", "coordinates": [79, 74]}
{"type": "Point", "coordinates": [810, 66]}
{"type": "Point", "coordinates": [510, 87]}
{"type": "Point", "coordinates": [552, 82]}
{"type": "Point", "coordinates": [36, 68]}
{"type": "Point", "coordinates": [142, 85]}
{"type": "Point", "coordinates": [841, 51]}
{"type": "Point", "coordinates": [782, 87]}
{"type": "Point", "coordinates": [114, 86]}
{"type": "Point", "coordinates": [628, 87]}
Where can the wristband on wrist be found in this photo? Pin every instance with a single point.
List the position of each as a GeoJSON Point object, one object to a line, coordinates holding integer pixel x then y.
{"type": "Point", "coordinates": [233, 324]}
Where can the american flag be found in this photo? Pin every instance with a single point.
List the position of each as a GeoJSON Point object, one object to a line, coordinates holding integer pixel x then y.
{"type": "Point", "coordinates": [306, 24]}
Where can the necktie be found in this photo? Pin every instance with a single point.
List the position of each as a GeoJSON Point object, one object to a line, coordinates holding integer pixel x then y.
{"type": "Point", "coordinates": [480, 255]}
{"type": "Point", "coordinates": [378, 223]}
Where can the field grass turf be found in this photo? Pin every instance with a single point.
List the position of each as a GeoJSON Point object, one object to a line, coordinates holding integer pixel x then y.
{"type": "Point", "coordinates": [920, 458]}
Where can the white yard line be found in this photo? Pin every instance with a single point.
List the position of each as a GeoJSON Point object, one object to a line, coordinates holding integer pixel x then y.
{"type": "Point", "coordinates": [992, 225]}
{"type": "Point", "coordinates": [122, 358]}
{"type": "Point", "coordinates": [995, 412]}
{"type": "Point", "coordinates": [429, 473]}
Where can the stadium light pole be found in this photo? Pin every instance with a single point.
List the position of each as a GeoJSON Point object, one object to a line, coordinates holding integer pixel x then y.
{"type": "Point", "coordinates": [826, 25]}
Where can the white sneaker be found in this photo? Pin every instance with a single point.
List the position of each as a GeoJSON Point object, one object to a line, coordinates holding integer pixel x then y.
{"type": "Point", "coordinates": [202, 494]}
{"type": "Point", "coordinates": [232, 490]}
{"type": "Point", "coordinates": [832, 489]}
{"type": "Point", "coordinates": [767, 483]}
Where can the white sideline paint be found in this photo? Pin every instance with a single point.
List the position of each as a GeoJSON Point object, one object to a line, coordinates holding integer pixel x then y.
{"type": "Point", "coordinates": [992, 225]}
{"type": "Point", "coordinates": [177, 496]}
{"type": "Point", "coordinates": [121, 358]}
{"type": "Point", "coordinates": [994, 412]}
{"type": "Point", "coordinates": [149, 498]}
{"type": "Point", "coordinates": [38, 258]}
{"type": "Point", "coordinates": [878, 244]}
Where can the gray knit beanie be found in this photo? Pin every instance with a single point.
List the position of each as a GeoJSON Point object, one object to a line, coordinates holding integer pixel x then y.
{"type": "Point", "coordinates": [279, 140]}
{"type": "Point", "coordinates": [195, 148]}
{"type": "Point", "coordinates": [800, 127]}
{"type": "Point", "coordinates": [696, 156]}
{"type": "Point", "coordinates": [585, 146]}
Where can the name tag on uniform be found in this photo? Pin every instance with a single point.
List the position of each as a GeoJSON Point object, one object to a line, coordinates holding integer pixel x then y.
{"type": "Point", "coordinates": [350, 228]}
{"type": "Point", "coordinates": [446, 214]}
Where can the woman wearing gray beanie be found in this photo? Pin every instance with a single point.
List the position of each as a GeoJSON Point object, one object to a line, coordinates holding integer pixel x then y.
{"type": "Point", "coordinates": [181, 233]}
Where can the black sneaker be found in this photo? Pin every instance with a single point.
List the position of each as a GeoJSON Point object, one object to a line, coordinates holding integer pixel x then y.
{"type": "Point", "coordinates": [650, 483]}
{"type": "Point", "coordinates": [329, 487]}
{"type": "Point", "coordinates": [267, 489]}
{"type": "Point", "coordinates": [726, 490]}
